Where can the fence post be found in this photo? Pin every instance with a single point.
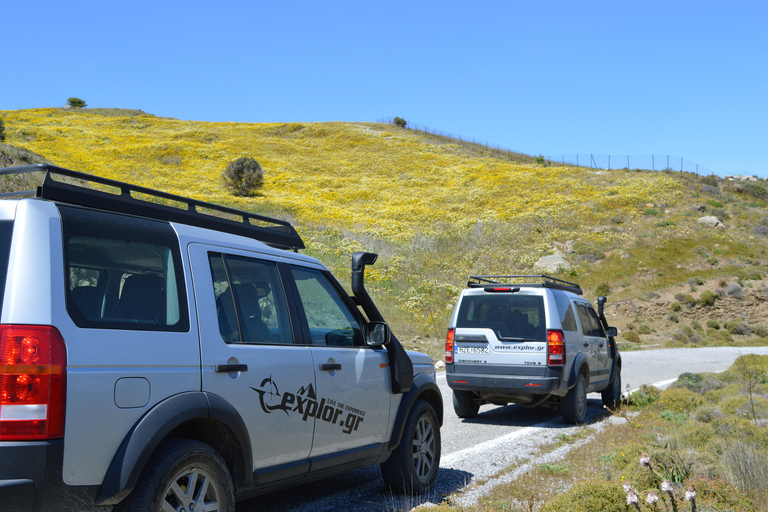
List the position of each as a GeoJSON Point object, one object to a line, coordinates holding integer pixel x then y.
{"type": "Point", "coordinates": [609, 162]}
{"type": "Point", "coordinates": [628, 167]}
{"type": "Point", "coordinates": [681, 164]}
{"type": "Point", "coordinates": [653, 163]}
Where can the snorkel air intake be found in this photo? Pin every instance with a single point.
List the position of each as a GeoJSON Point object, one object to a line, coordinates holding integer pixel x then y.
{"type": "Point", "coordinates": [400, 365]}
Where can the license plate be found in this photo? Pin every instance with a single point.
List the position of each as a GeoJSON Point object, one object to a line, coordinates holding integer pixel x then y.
{"type": "Point", "coordinates": [472, 350]}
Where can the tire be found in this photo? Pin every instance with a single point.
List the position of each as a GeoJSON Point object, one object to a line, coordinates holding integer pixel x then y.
{"type": "Point", "coordinates": [612, 394]}
{"type": "Point", "coordinates": [166, 480]}
{"type": "Point", "coordinates": [574, 405]}
{"type": "Point", "coordinates": [412, 467]}
{"type": "Point", "coordinates": [465, 404]}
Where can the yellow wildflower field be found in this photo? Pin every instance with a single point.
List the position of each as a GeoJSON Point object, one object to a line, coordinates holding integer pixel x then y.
{"type": "Point", "coordinates": [434, 212]}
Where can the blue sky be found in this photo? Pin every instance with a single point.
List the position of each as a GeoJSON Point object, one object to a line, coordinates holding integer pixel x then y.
{"type": "Point", "coordinates": [684, 78]}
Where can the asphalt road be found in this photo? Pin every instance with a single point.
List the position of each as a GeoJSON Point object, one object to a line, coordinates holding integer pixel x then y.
{"type": "Point", "coordinates": [481, 447]}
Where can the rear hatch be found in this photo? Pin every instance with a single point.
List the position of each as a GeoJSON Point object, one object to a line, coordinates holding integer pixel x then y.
{"type": "Point", "coordinates": [501, 328]}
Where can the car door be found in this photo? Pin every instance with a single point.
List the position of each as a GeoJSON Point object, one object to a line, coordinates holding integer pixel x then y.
{"type": "Point", "coordinates": [249, 356]}
{"type": "Point", "coordinates": [353, 381]}
{"type": "Point", "coordinates": [595, 345]}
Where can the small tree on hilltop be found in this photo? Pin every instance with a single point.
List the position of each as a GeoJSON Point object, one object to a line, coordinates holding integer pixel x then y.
{"type": "Point", "coordinates": [400, 122]}
{"type": "Point", "coordinates": [244, 176]}
{"type": "Point", "coordinates": [76, 103]}
{"type": "Point", "coordinates": [2, 130]}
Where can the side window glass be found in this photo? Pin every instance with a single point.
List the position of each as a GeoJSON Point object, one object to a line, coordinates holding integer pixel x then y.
{"type": "Point", "coordinates": [122, 272]}
{"type": "Point", "coordinates": [569, 320]}
{"type": "Point", "coordinates": [330, 320]}
{"type": "Point", "coordinates": [588, 325]}
{"type": "Point", "coordinates": [250, 303]}
{"type": "Point", "coordinates": [597, 326]}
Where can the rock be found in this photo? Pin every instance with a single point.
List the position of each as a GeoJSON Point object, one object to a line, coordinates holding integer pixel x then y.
{"type": "Point", "coordinates": [711, 222]}
{"type": "Point", "coordinates": [552, 263]}
{"type": "Point", "coordinates": [439, 364]}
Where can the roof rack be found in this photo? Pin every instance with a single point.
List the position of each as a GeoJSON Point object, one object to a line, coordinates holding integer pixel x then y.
{"type": "Point", "coordinates": [545, 281]}
{"type": "Point", "coordinates": [82, 189]}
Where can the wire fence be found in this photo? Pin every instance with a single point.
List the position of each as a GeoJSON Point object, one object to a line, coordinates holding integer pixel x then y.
{"type": "Point", "coordinates": [607, 162]}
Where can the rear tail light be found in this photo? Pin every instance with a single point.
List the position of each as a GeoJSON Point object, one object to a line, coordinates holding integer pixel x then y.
{"type": "Point", "coordinates": [32, 383]}
{"type": "Point", "coordinates": [449, 346]}
{"type": "Point", "coordinates": [555, 348]}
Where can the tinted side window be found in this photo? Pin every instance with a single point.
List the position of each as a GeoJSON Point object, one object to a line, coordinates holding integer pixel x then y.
{"type": "Point", "coordinates": [510, 316]}
{"type": "Point", "coordinates": [330, 321]}
{"type": "Point", "coordinates": [6, 231]}
{"type": "Point", "coordinates": [250, 301]}
{"type": "Point", "coordinates": [565, 310]}
{"type": "Point", "coordinates": [122, 272]}
{"type": "Point", "coordinates": [589, 324]}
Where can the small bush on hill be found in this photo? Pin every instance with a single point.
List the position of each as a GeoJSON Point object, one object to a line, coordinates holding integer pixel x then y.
{"type": "Point", "coordinates": [603, 289]}
{"type": "Point", "coordinates": [400, 122]}
{"type": "Point", "coordinates": [2, 130]}
{"type": "Point", "coordinates": [756, 191]}
{"type": "Point", "coordinates": [76, 102]}
{"type": "Point", "coordinates": [708, 298]}
{"type": "Point", "coordinates": [631, 336]}
{"type": "Point", "coordinates": [243, 176]}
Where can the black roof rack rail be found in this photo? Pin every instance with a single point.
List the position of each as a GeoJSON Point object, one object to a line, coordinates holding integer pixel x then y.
{"type": "Point", "coordinates": [117, 196]}
{"type": "Point", "coordinates": [545, 281]}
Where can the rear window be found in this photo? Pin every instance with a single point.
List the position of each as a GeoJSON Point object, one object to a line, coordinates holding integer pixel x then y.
{"type": "Point", "coordinates": [513, 317]}
{"type": "Point", "coordinates": [6, 230]}
{"type": "Point", "coordinates": [122, 272]}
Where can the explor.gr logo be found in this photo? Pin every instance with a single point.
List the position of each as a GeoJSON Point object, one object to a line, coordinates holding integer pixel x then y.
{"type": "Point", "coordinates": [304, 403]}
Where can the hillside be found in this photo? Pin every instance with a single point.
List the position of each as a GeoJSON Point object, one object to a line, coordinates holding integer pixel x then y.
{"type": "Point", "coordinates": [438, 212]}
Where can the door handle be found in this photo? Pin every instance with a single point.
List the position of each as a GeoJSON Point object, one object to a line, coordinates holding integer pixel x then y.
{"type": "Point", "coordinates": [329, 367]}
{"type": "Point", "coordinates": [225, 368]}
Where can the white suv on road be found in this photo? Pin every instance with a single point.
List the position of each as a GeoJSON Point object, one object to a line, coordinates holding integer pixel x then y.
{"type": "Point", "coordinates": [532, 340]}
{"type": "Point", "coordinates": [160, 353]}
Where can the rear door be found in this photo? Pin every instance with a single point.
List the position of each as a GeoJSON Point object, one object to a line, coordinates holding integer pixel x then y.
{"type": "Point", "coordinates": [501, 328]}
{"type": "Point", "coordinates": [249, 356]}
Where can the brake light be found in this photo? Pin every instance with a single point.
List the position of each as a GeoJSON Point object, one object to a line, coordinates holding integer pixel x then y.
{"type": "Point", "coordinates": [555, 348]}
{"type": "Point", "coordinates": [32, 382]}
{"type": "Point", "coordinates": [449, 346]}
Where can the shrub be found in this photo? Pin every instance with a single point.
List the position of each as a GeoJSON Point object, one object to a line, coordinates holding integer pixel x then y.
{"type": "Point", "coordinates": [737, 326]}
{"type": "Point", "coordinates": [672, 317]}
{"type": "Point", "coordinates": [603, 289]}
{"type": "Point", "coordinates": [696, 326]}
{"type": "Point", "coordinates": [606, 496]}
{"type": "Point", "coordinates": [712, 180]}
{"type": "Point", "coordinates": [756, 191]}
{"type": "Point", "coordinates": [400, 122]}
{"type": "Point", "coordinates": [713, 324]}
{"type": "Point", "coordinates": [644, 329]}
{"type": "Point", "coordinates": [631, 336]}
{"type": "Point", "coordinates": [76, 103]}
{"type": "Point", "coordinates": [644, 396]}
{"type": "Point", "coordinates": [653, 212]}
{"type": "Point", "coordinates": [2, 130]}
{"type": "Point", "coordinates": [679, 400]}
{"type": "Point", "coordinates": [675, 306]}
{"type": "Point", "coordinates": [686, 299]}
{"type": "Point", "coordinates": [760, 230]}
{"type": "Point", "coordinates": [243, 176]}
{"type": "Point", "coordinates": [708, 298]}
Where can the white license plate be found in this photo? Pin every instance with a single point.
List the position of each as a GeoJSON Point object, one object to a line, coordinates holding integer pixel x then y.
{"type": "Point", "coordinates": [472, 350]}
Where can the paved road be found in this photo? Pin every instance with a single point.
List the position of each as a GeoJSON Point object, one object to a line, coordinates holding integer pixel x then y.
{"type": "Point", "coordinates": [478, 448]}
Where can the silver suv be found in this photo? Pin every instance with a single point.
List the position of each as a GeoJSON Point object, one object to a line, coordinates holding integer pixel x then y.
{"type": "Point", "coordinates": [160, 353]}
{"type": "Point", "coordinates": [532, 340]}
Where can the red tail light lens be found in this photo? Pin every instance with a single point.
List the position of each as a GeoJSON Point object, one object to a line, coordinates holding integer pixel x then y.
{"type": "Point", "coordinates": [555, 348]}
{"type": "Point", "coordinates": [449, 346]}
{"type": "Point", "coordinates": [32, 383]}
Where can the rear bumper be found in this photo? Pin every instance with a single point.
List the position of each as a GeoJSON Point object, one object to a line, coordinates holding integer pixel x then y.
{"type": "Point", "coordinates": [31, 480]}
{"type": "Point", "coordinates": [505, 380]}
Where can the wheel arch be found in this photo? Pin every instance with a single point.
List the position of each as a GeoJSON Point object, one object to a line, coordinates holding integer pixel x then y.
{"type": "Point", "coordinates": [423, 388]}
{"type": "Point", "coordinates": [579, 367]}
{"type": "Point", "coordinates": [194, 415]}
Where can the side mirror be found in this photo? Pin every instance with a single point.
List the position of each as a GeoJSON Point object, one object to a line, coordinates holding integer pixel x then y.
{"type": "Point", "coordinates": [611, 332]}
{"type": "Point", "coordinates": [378, 334]}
